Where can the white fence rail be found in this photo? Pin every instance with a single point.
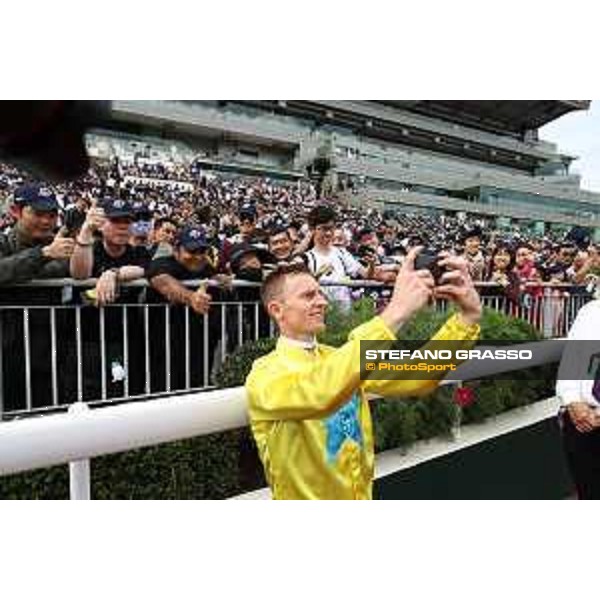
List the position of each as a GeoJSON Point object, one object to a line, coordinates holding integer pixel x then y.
{"type": "Point", "coordinates": [81, 434]}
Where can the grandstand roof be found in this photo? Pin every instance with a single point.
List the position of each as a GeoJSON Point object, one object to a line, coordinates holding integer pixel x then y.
{"type": "Point", "coordinates": [514, 116]}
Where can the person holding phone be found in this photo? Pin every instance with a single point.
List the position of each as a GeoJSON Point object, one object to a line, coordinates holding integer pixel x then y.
{"type": "Point", "coordinates": [308, 405]}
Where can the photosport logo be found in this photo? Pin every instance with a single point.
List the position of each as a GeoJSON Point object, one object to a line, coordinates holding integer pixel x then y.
{"type": "Point", "coordinates": [426, 359]}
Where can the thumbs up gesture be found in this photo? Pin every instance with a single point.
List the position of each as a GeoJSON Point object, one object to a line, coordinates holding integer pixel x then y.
{"type": "Point", "coordinates": [95, 218]}
{"type": "Point", "coordinates": [60, 248]}
{"type": "Point", "coordinates": [200, 300]}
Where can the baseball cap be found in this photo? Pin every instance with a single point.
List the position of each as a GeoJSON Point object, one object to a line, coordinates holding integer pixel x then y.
{"type": "Point", "coordinates": [192, 239]}
{"type": "Point", "coordinates": [247, 212]}
{"type": "Point", "coordinates": [240, 250]}
{"type": "Point", "coordinates": [116, 207]}
{"type": "Point", "coordinates": [141, 210]}
{"type": "Point", "coordinates": [39, 197]}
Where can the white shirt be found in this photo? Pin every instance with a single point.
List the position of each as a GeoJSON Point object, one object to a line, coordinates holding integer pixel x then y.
{"type": "Point", "coordinates": [305, 344]}
{"type": "Point", "coordinates": [342, 266]}
{"type": "Point", "coordinates": [585, 327]}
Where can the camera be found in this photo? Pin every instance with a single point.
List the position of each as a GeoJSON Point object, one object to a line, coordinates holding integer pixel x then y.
{"type": "Point", "coordinates": [428, 259]}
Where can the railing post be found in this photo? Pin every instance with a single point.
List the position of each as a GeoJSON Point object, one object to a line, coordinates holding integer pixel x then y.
{"type": "Point", "coordinates": [455, 428]}
{"type": "Point", "coordinates": [79, 470]}
{"type": "Point", "coordinates": [547, 313]}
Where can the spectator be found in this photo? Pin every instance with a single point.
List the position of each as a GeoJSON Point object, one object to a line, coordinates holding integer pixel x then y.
{"type": "Point", "coordinates": [32, 250]}
{"type": "Point", "coordinates": [248, 234]}
{"type": "Point", "coordinates": [281, 246]}
{"type": "Point", "coordinates": [329, 263]}
{"type": "Point", "coordinates": [111, 259]}
{"type": "Point", "coordinates": [308, 408]}
{"type": "Point", "coordinates": [140, 234]}
{"type": "Point", "coordinates": [473, 254]}
{"type": "Point", "coordinates": [525, 265]}
{"type": "Point", "coordinates": [580, 403]}
{"type": "Point", "coordinates": [188, 262]}
{"type": "Point", "coordinates": [163, 237]}
{"type": "Point", "coordinates": [247, 262]}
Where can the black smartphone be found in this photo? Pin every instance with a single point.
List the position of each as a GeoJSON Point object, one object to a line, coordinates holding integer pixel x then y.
{"type": "Point", "coordinates": [428, 259]}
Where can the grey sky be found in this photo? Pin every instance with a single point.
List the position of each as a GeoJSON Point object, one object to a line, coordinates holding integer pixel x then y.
{"type": "Point", "coordinates": [578, 134]}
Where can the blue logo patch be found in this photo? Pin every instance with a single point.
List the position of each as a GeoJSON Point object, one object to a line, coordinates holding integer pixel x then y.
{"type": "Point", "coordinates": [341, 426]}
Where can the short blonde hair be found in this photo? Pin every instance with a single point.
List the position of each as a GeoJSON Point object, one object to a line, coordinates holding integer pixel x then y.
{"type": "Point", "coordinates": [273, 284]}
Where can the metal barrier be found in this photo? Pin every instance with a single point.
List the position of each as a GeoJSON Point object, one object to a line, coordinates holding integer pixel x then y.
{"type": "Point", "coordinates": [52, 356]}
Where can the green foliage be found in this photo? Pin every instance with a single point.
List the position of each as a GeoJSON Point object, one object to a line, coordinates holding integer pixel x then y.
{"type": "Point", "coordinates": [340, 322]}
{"type": "Point", "coordinates": [225, 464]}
{"type": "Point", "coordinates": [199, 468]}
{"type": "Point", "coordinates": [402, 421]}
{"type": "Point", "coordinates": [235, 368]}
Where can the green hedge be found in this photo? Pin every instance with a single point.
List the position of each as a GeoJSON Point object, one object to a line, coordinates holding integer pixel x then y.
{"type": "Point", "coordinates": [225, 464]}
{"type": "Point", "coordinates": [212, 466]}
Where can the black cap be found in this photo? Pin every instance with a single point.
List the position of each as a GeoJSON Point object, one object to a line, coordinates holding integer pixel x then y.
{"type": "Point", "coordinates": [39, 197]}
{"type": "Point", "coordinates": [248, 212]}
{"type": "Point", "coordinates": [115, 208]}
{"type": "Point", "coordinates": [192, 239]}
{"type": "Point", "coordinates": [240, 250]}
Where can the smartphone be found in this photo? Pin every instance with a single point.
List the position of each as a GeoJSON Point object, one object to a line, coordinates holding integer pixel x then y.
{"type": "Point", "coordinates": [428, 259]}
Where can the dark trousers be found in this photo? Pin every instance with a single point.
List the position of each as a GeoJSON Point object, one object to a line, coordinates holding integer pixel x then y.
{"type": "Point", "coordinates": [582, 451]}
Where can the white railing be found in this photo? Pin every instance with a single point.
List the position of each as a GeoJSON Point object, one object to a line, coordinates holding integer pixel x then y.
{"type": "Point", "coordinates": [84, 433]}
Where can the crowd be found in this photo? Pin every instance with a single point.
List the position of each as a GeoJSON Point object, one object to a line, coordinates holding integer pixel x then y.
{"type": "Point", "coordinates": [279, 221]}
{"type": "Point", "coordinates": [123, 222]}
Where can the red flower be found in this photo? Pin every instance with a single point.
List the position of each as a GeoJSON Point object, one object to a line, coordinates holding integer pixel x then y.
{"type": "Point", "coordinates": [464, 396]}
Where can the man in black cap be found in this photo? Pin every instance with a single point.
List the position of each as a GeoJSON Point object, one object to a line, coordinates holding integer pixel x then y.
{"type": "Point", "coordinates": [248, 264]}
{"type": "Point", "coordinates": [189, 261]}
{"type": "Point", "coordinates": [32, 250]}
{"type": "Point", "coordinates": [111, 259]}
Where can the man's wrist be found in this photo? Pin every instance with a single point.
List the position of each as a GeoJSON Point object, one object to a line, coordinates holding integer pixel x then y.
{"type": "Point", "coordinates": [112, 272]}
{"type": "Point", "coordinates": [46, 253]}
{"type": "Point", "coordinates": [470, 318]}
{"type": "Point", "coordinates": [85, 237]}
{"type": "Point", "coordinates": [394, 319]}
